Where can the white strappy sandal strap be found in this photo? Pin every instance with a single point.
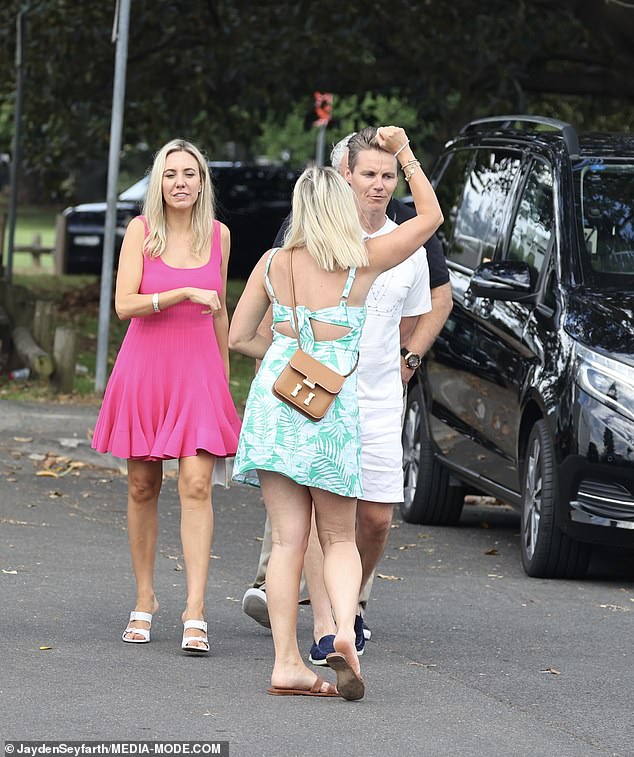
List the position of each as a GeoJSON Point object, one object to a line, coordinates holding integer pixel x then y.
{"type": "Point", "coordinates": [146, 616]}
{"type": "Point", "coordinates": [144, 632]}
{"type": "Point", "coordinates": [201, 644]}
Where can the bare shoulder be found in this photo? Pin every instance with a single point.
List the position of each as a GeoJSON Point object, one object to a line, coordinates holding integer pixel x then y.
{"type": "Point", "coordinates": [134, 235]}
{"type": "Point", "coordinates": [224, 231]}
{"type": "Point", "coordinates": [137, 226]}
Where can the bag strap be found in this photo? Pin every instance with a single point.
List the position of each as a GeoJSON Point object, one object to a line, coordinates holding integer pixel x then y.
{"type": "Point", "coordinates": [296, 322]}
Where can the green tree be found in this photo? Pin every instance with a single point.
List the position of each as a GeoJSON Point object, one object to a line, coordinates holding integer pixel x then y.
{"type": "Point", "coordinates": [223, 71]}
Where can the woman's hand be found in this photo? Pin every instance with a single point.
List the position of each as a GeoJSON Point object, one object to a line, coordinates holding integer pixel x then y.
{"type": "Point", "coordinates": [207, 297]}
{"type": "Point", "coordinates": [391, 138]}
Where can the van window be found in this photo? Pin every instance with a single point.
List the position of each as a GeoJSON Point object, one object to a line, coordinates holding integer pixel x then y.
{"type": "Point", "coordinates": [534, 223]}
{"type": "Point", "coordinates": [450, 190]}
{"type": "Point", "coordinates": [605, 195]}
{"type": "Point", "coordinates": [480, 217]}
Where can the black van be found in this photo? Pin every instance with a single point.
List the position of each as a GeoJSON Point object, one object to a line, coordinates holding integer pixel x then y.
{"type": "Point", "coordinates": [528, 393]}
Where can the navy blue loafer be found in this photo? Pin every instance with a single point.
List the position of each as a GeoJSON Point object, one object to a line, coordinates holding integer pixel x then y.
{"type": "Point", "coordinates": [321, 649]}
{"type": "Point", "coordinates": [359, 641]}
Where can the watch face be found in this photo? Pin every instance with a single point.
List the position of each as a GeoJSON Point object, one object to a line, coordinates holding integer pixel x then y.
{"type": "Point", "coordinates": [413, 361]}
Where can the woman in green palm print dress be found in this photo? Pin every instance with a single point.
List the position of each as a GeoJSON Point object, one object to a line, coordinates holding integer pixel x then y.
{"type": "Point", "coordinates": [298, 461]}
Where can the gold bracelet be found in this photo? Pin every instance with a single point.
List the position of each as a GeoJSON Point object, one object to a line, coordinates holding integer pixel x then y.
{"type": "Point", "coordinates": [410, 163]}
{"type": "Point", "coordinates": [407, 175]}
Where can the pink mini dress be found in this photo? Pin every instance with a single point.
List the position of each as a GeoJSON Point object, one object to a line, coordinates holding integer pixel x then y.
{"type": "Point", "coordinates": [168, 395]}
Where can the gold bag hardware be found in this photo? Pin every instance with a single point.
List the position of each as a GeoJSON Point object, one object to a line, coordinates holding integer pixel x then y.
{"type": "Point", "coordinates": [308, 385]}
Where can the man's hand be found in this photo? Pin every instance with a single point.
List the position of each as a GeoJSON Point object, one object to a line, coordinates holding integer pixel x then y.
{"type": "Point", "coordinates": [391, 138]}
{"type": "Point", "coordinates": [406, 373]}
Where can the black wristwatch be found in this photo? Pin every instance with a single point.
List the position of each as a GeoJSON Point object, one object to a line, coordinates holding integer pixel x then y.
{"type": "Point", "coordinates": [412, 360]}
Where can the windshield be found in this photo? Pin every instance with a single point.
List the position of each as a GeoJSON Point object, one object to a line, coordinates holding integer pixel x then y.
{"type": "Point", "coordinates": [605, 202]}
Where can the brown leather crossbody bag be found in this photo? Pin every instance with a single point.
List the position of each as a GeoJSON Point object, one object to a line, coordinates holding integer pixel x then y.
{"type": "Point", "coordinates": [306, 384]}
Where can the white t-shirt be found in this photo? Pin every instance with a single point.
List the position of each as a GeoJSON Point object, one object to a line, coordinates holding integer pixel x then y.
{"type": "Point", "coordinates": [401, 291]}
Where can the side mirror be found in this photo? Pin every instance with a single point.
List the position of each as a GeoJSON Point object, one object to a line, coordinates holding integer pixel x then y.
{"type": "Point", "coordinates": [508, 280]}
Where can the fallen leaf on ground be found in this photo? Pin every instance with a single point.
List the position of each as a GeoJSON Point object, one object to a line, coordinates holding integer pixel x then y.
{"type": "Point", "coordinates": [424, 664]}
{"type": "Point", "coordinates": [615, 608]}
{"type": "Point", "coordinates": [491, 551]}
{"type": "Point", "coordinates": [44, 647]}
{"type": "Point", "coordinates": [389, 578]}
{"type": "Point", "coordinates": [554, 671]}
{"type": "Point", "coordinates": [49, 473]}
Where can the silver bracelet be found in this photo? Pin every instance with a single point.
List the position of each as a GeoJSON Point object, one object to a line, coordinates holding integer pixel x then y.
{"type": "Point", "coordinates": [402, 147]}
{"type": "Point", "coordinates": [155, 303]}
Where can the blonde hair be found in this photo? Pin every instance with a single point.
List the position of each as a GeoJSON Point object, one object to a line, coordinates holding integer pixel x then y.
{"type": "Point", "coordinates": [154, 205]}
{"type": "Point", "coordinates": [325, 220]}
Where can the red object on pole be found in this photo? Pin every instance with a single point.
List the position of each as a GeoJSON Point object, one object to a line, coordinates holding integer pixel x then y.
{"type": "Point", "coordinates": [323, 108]}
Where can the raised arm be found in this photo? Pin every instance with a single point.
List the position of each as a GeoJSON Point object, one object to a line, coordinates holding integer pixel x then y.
{"type": "Point", "coordinates": [391, 249]}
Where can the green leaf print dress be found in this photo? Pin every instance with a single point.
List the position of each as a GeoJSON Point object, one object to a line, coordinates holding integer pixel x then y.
{"type": "Point", "coordinates": [325, 454]}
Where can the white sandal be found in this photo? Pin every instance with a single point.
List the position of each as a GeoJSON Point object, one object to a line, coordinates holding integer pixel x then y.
{"type": "Point", "coordinates": [187, 646]}
{"type": "Point", "coordinates": [145, 632]}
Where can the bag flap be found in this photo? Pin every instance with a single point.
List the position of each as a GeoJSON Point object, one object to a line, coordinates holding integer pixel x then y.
{"type": "Point", "coordinates": [316, 372]}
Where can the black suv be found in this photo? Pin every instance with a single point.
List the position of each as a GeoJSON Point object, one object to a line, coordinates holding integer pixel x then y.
{"type": "Point", "coordinates": [253, 200]}
{"type": "Point", "coordinates": [528, 393]}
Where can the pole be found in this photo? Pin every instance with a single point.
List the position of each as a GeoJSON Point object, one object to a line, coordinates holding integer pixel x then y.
{"type": "Point", "coordinates": [17, 118]}
{"type": "Point", "coordinates": [122, 22]}
{"type": "Point", "coordinates": [321, 145]}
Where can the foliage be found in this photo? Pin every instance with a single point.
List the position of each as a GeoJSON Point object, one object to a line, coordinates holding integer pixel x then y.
{"type": "Point", "coordinates": [295, 139]}
{"type": "Point", "coordinates": [222, 71]}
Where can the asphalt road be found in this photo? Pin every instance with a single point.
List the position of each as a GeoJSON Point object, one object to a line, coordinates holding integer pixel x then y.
{"type": "Point", "coordinates": [468, 655]}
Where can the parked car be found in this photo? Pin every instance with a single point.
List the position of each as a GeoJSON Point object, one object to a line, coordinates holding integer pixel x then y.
{"type": "Point", "coordinates": [528, 393]}
{"type": "Point", "coordinates": [252, 200]}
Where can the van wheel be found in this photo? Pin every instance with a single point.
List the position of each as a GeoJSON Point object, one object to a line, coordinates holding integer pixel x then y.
{"type": "Point", "coordinates": [547, 552]}
{"type": "Point", "coordinates": [428, 498]}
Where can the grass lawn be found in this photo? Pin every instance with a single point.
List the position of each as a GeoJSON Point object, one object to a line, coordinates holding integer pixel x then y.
{"type": "Point", "coordinates": [29, 222]}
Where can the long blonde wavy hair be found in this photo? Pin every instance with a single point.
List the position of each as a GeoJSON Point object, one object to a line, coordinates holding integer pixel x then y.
{"type": "Point", "coordinates": [154, 206]}
{"type": "Point", "coordinates": [325, 220]}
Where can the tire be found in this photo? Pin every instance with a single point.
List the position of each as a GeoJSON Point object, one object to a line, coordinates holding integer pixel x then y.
{"type": "Point", "coordinates": [428, 497]}
{"type": "Point", "coordinates": [546, 551]}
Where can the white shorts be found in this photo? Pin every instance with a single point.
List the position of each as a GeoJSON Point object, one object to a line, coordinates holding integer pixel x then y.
{"type": "Point", "coordinates": [381, 454]}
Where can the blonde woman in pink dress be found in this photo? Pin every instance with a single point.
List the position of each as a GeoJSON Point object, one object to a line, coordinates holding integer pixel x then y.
{"type": "Point", "coordinates": [168, 396]}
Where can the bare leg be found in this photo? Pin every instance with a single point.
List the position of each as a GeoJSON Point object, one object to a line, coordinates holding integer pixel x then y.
{"type": "Point", "coordinates": [374, 520]}
{"type": "Point", "coordinates": [335, 519]}
{"type": "Point", "coordinates": [323, 622]}
{"type": "Point", "coordinates": [289, 508]}
{"type": "Point", "coordinates": [197, 523]}
{"type": "Point", "coordinates": [144, 486]}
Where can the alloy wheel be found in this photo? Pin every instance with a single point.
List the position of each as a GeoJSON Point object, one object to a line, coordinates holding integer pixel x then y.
{"type": "Point", "coordinates": [532, 507]}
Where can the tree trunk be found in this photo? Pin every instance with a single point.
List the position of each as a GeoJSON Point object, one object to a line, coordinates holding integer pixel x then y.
{"type": "Point", "coordinates": [31, 354]}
